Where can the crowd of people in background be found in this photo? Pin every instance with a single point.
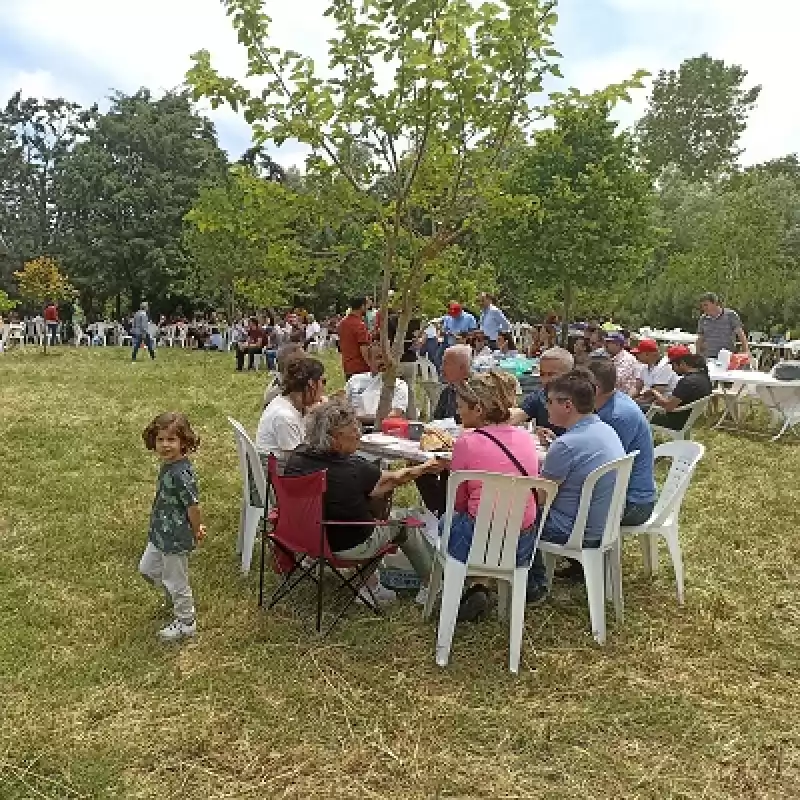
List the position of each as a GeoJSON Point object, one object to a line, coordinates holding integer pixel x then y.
{"type": "Point", "coordinates": [588, 410]}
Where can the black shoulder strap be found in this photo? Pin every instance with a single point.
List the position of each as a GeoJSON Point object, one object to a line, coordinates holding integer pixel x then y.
{"type": "Point", "coordinates": [511, 457]}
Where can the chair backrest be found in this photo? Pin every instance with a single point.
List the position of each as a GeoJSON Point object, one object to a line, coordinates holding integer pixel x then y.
{"type": "Point", "coordinates": [299, 502]}
{"type": "Point", "coordinates": [621, 468]}
{"type": "Point", "coordinates": [685, 458]}
{"type": "Point", "coordinates": [248, 457]}
{"type": "Point", "coordinates": [426, 370]}
{"type": "Point", "coordinates": [433, 390]}
{"type": "Point", "coordinates": [695, 409]}
{"type": "Point", "coordinates": [502, 506]}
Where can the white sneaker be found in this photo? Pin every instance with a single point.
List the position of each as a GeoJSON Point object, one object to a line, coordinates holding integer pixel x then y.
{"type": "Point", "coordinates": [382, 596]}
{"type": "Point", "coordinates": [177, 630]}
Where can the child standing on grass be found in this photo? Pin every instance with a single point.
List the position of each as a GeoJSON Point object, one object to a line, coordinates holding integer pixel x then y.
{"type": "Point", "coordinates": [176, 523]}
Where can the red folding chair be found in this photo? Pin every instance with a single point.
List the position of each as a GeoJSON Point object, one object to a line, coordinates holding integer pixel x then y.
{"type": "Point", "coordinates": [300, 544]}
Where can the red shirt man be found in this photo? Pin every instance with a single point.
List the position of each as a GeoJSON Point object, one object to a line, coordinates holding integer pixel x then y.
{"type": "Point", "coordinates": [354, 339]}
{"type": "Point", "coordinates": [51, 313]}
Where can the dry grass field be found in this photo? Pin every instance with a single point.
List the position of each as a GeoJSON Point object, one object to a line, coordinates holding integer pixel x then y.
{"type": "Point", "coordinates": [695, 702]}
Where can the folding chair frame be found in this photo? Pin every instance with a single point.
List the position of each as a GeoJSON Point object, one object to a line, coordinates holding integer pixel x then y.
{"type": "Point", "coordinates": [363, 571]}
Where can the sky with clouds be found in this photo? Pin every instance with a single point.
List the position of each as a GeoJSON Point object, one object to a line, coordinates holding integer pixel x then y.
{"type": "Point", "coordinates": [85, 49]}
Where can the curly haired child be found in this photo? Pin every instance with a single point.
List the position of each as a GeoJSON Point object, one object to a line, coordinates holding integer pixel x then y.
{"type": "Point", "coordinates": [176, 522]}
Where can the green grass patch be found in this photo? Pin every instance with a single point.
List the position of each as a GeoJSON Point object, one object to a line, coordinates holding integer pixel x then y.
{"type": "Point", "coordinates": [695, 702]}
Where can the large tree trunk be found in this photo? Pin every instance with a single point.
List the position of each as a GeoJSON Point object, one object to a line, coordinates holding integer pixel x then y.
{"type": "Point", "coordinates": [408, 293]}
{"type": "Point", "coordinates": [567, 313]}
{"type": "Point", "coordinates": [136, 298]}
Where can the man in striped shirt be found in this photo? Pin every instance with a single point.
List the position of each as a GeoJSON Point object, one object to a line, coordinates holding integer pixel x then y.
{"type": "Point", "coordinates": [718, 328]}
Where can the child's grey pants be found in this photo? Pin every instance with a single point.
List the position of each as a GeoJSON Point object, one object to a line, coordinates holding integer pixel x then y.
{"type": "Point", "coordinates": [170, 570]}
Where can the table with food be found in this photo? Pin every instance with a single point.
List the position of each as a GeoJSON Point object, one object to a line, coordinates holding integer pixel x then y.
{"type": "Point", "coordinates": [435, 440]}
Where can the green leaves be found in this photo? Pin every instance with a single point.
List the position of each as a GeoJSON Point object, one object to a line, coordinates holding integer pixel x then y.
{"type": "Point", "coordinates": [579, 214]}
{"type": "Point", "coordinates": [696, 118]}
{"type": "Point", "coordinates": [251, 236]}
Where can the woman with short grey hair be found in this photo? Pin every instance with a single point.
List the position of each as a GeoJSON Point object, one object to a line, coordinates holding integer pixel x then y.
{"type": "Point", "coordinates": [355, 489]}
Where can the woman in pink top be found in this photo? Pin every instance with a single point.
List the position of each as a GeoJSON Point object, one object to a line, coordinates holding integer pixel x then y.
{"type": "Point", "coordinates": [484, 404]}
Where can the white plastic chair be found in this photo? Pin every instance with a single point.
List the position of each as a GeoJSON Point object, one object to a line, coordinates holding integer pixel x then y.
{"type": "Point", "coordinates": [181, 335]}
{"type": "Point", "coordinates": [16, 333]}
{"type": "Point", "coordinates": [80, 336]}
{"type": "Point", "coordinates": [595, 559]}
{"type": "Point", "coordinates": [664, 519]}
{"type": "Point", "coordinates": [154, 332]}
{"type": "Point", "coordinates": [696, 410]}
{"type": "Point", "coordinates": [426, 369]}
{"type": "Point", "coordinates": [168, 337]}
{"type": "Point", "coordinates": [123, 337]}
{"type": "Point", "coordinates": [493, 554]}
{"type": "Point", "coordinates": [250, 516]}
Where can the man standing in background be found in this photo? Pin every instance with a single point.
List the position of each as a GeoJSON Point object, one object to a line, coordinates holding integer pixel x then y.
{"type": "Point", "coordinates": [354, 339]}
{"type": "Point", "coordinates": [493, 320]}
{"type": "Point", "coordinates": [457, 323]}
{"type": "Point", "coordinates": [51, 320]}
{"type": "Point", "coordinates": [140, 332]}
{"type": "Point", "coordinates": [718, 328]}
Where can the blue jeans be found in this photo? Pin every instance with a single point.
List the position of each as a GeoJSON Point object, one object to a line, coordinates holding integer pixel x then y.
{"type": "Point", "coordinates": [52, 328]}
{"type": "Point", "coordinates": [138, 338]}
{"type": "Point", "coordinates": [637, 514]}
{"type": "Point", "coordinates": [463, 529]}
{"type": "Point", "coordinates": [537, 574]}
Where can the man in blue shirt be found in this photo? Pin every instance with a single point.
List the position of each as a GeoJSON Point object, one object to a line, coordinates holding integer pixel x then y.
{"type": "Point", "coordinates": [587, 444]}
{"type": "Point", "coordinates": [553, 363]}
{"type": "Point", "coordinates": [457, 323]}
{"type": "Point", "coordinates": [493, 320]}
{"type": "Point", "coordinates": [623, 414]}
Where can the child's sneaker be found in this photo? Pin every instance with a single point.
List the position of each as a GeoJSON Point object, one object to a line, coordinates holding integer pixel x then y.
{"type": "Point", "coordinates": [177, 630]}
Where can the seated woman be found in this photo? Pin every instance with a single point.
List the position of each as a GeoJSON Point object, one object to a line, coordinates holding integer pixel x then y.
{"type": "Point", "coordinates": [484, 404]}
{"type": "Point", "coordinates": [506, 345]}
{"type": "Point", "coordinates": [479, 343]}
{"type": "Point", "coordinates": [356, 487]}
{"type": "Point", "coordinates": [288, 353]}
{"type": "Point", "coordinates": [282, 425]}
{"type": "Point", "coordinates": [694, 384]}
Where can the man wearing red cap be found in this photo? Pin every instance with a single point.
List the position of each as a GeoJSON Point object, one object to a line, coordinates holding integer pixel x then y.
{"type": "Point", "coordinates": [656, 371]}
{"type": "Point", "coordinates": [457, 323]}
{"type": "Point", "coordinates": [694, 384]}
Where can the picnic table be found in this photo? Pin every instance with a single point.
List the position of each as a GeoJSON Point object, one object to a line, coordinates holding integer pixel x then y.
{"type": "Point", "coordinates": [670, 337]}
{"type": "Point", "coordinates": [394, 448]}
{"type": "Point", "coordinates": [769, 353]}
{"type": "Point", "coordinates": [781, 398]}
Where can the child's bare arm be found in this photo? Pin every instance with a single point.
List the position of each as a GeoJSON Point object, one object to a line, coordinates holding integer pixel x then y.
{"type": "Point", "coordinates": [196, 521]}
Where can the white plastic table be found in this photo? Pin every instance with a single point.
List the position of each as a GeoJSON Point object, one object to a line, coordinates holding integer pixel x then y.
{"type": "Point", "coordinates": [393, 448]}
{"type": "Point", "coordinates": [673, 337]}
{"type": "Point", "coordinates": [782, 398]}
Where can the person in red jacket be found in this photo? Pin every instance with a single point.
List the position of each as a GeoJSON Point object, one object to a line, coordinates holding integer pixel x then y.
{"type": "Point", "coordinates": [51, 320]}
